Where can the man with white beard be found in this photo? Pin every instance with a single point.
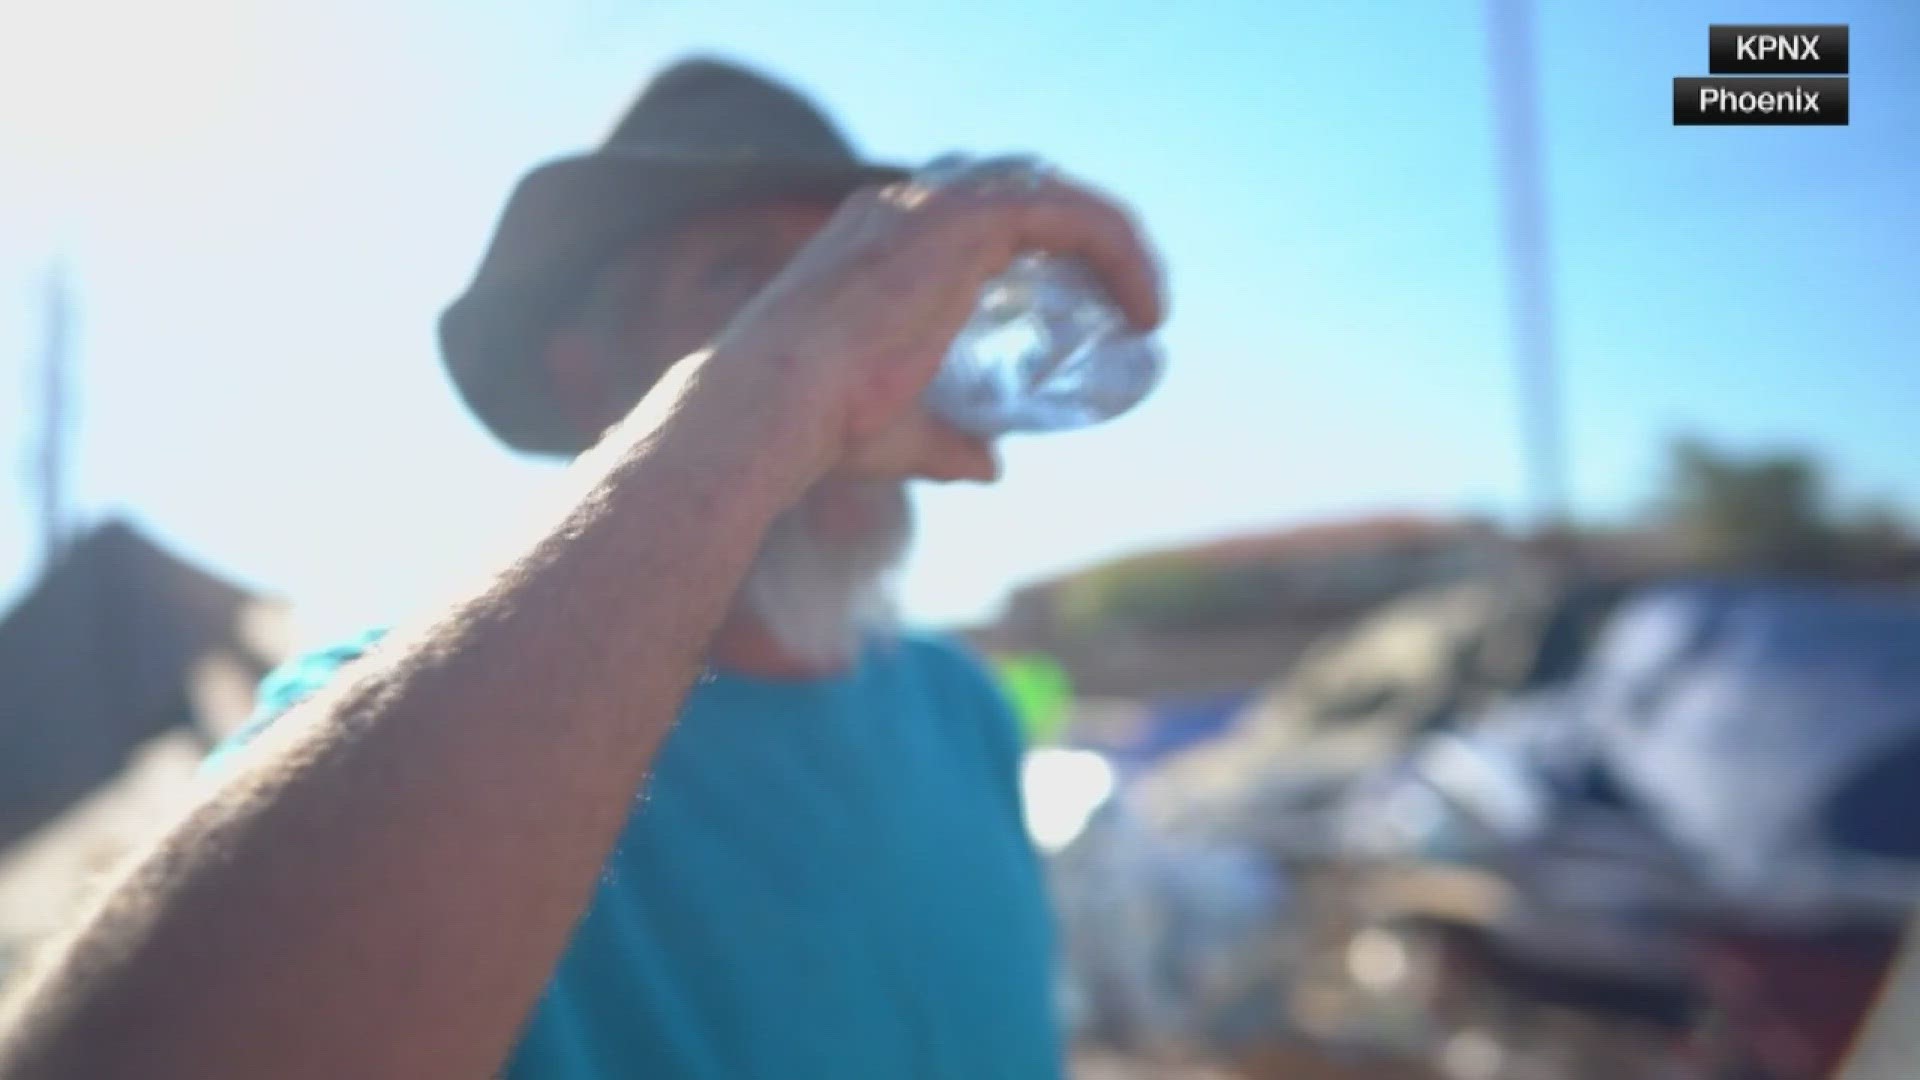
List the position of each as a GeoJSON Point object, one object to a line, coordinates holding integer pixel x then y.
{"type": "Point", "coordinates": [819, 595]}
{"type": "Point", "coordinates": [669, 795]}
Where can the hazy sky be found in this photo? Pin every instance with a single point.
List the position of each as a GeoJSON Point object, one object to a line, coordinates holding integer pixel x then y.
{"type": "Point", "coordinates": [265, 204]}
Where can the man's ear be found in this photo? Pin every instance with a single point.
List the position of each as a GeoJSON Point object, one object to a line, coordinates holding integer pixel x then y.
{"type": "Point", "coordinates": [580, 375]}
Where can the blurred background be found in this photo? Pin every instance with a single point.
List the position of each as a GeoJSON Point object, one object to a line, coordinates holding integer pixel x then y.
{"type": "Point", "coordinates": [1492, 654]}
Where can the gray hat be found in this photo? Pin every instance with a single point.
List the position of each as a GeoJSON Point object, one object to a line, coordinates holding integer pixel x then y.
{"type": "Point", "coordinates": [703, 133]}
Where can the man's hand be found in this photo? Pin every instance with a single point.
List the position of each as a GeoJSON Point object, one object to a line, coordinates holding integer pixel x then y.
{"type": "Point", "coordinates": [384, 882]}
{"type": "Point", "coordinates": [851, 332]}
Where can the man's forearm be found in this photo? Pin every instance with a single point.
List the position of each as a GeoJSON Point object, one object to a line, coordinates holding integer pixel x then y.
{"type": "Point", "coordinates": [384, 885]}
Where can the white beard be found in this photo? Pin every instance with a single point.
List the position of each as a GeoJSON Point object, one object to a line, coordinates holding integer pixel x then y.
{"type": "Point", "coordinates": [821, 598]}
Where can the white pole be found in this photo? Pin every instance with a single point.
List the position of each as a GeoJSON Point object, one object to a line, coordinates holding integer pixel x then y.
{"type": "Point", "coordinates": [48, 469]}
{"type": "Point", "coordinates": [1516, 103]}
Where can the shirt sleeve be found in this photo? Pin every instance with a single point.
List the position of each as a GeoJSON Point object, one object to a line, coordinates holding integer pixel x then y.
{"type": "Point", "coordinates": [287, 686]}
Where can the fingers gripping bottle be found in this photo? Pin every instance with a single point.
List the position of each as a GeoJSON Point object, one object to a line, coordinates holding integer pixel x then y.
{"type": "Point", "coordinates": [1046, 349]}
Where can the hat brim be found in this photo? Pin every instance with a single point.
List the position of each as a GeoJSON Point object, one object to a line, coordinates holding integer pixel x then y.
{"type": "Point", "coordinates": [563, 221]}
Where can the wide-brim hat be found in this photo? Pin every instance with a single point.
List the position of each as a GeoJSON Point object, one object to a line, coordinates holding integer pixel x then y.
{"type": "Point", "coordinates": [704, 133]}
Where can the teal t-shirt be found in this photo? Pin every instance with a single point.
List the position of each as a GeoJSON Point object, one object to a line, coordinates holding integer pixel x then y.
{"type": "Point", "coordinates": [823, 878]}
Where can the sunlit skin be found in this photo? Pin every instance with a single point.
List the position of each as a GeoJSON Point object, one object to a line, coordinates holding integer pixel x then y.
{"type": "Point", "coordinates": [687, 284]}
{"type": "Point", "coordinates": [383, 882]}
{"type": "Point", "coordinates": [684, 286]}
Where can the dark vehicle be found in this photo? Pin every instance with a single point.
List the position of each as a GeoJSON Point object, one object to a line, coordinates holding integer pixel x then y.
{"type": "Point", "coordinates": [1418, 666]}
{"type": "Point", "coordinates": [1181, 901]}
{"type": "Point", "coordinates": [1707, 846]}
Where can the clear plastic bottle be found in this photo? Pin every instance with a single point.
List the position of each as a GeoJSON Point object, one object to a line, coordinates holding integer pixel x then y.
{"type": "Point", "coordinates": [1046, 350]}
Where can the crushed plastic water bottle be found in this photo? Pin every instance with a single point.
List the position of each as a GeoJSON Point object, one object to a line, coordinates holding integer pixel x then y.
{"type": "Point", "coordinates": [1047, 349]}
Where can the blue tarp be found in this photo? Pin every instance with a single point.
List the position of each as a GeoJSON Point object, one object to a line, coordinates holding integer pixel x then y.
{"type": "Point", "coordinates": [1174, 724]}
{"type": "Point", "coordinates": [1751, 717]}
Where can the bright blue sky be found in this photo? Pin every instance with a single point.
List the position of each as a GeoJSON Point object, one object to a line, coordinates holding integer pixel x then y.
{"type": "Point", "coordinates": [266, 203]}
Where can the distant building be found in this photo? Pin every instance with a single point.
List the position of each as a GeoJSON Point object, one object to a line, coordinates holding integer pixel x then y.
{"type": "Point", "coordinates": [118, 641]}
{"type": "Point", "coordinates": [1232, 614]}
{"type": "Point", "coordinates": [118, 668]}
